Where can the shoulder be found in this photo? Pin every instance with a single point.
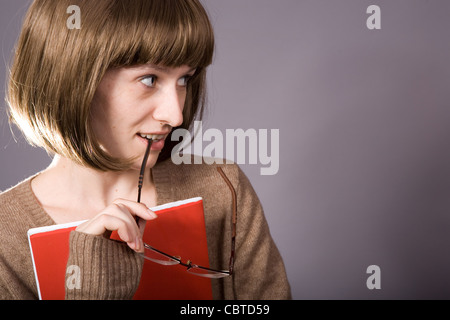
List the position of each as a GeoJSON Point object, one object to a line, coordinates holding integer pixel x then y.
{"type": "Point", "coordinates": [20, 209]}
{"type": "Point", "coordinates": [10, 199]}
{"type": "Point", "coordinates": [12, 209]}
{"type": "Point", "coordinates": [16, 218]}
{"type": "Point", "coordinates": [13, 221]}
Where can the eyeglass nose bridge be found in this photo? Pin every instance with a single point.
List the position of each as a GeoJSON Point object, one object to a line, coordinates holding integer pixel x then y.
{"type": "Point", "coordinates": [188, 264]}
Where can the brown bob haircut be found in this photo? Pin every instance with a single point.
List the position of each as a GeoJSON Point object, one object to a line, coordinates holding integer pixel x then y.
{"type": "Point", "coordinates": [56, 70]}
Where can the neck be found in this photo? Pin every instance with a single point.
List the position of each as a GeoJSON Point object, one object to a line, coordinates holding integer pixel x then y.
{"type": "Point", "coordinates": [74, 188]}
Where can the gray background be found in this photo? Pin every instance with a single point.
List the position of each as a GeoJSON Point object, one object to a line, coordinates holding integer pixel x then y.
{"type": "Point", "coordinates": [364, 123]}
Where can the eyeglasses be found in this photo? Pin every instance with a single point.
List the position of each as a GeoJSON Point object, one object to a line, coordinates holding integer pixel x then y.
{"type": "Point", "coordinates": [157, 256]}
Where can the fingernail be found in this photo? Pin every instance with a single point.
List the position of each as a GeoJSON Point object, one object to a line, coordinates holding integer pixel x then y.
{"type": "Point", "coordinates": [138, 245]}
{"type": "Point", "coordinates": [152, 214]}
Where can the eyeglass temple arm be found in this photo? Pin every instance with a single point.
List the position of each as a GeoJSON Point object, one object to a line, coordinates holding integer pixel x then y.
{"type": "Point", "coordinates": [234, 218]}
{"type": "Point", "coordinates": [141, 174]}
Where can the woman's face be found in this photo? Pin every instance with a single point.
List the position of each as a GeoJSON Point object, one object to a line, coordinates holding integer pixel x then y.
{"type": "Point", "coordinates": [139, 101]}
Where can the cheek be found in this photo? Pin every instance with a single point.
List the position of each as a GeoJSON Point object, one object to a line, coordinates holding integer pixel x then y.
{"type": "Point", "coordinates": [111, 110]}
{"type": "Point", "coordinates": [97, 116]}
{"type": "Point", "coordinates": [104, 122]}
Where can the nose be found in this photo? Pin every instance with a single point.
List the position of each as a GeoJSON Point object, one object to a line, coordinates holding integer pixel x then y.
{"type": "Point", "coordinates": [170, 105]}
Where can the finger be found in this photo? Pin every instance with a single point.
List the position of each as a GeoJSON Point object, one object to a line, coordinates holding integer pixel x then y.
{"type": "Point", "coordinates": [107, 222]}
{"type": "Point", "coordinates": [134, 238]}
{"type": "Point", "coordinates": [120, 216]}
{"type": "Point", "coordinates": [115, 217]}
{"type": "Point", "coordinates": [125, 210]}
{"type": "Point", "coordinates": [142, 223]}
{"type": "Point", "coordinates": [137, 209]}
{"type": "Point", "coordinates": [126, 229]}
{"type": "Point", "coordinates": [128, 213]}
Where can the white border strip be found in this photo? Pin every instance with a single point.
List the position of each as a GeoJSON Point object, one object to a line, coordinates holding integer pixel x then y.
{"type": "Point", "coordinates": [176, 204]}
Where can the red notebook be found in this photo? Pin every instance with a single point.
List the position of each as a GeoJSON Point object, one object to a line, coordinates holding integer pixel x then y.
{"type": "Point", "coordinates": [179, 230]}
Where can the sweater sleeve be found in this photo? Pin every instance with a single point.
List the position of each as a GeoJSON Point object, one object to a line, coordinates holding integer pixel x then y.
{"type": "Point", "coordinates": [101, 269]}
{"type": "Point", "coordinates": [259, 269]}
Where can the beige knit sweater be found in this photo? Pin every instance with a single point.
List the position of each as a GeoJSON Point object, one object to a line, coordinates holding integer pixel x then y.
{"type": "Point", "coordinates": [110, 270]}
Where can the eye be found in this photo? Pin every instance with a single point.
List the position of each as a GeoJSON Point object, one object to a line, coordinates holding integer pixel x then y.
{"type": "Point", "coordinates": [149, 81]}
{"type": "Point", "coordinates": [183, 81]}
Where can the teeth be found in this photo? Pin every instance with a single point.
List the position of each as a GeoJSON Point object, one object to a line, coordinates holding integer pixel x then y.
{"type": "Point", "coordinates": [154, 137]}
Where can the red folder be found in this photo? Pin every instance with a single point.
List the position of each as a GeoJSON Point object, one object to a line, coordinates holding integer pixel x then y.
{"type": "Point", "coordinates": [179, 230]}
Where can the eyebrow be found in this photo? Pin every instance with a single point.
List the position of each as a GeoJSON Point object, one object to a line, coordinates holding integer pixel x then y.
{"type": "Point", "coordinates": [161, 68]}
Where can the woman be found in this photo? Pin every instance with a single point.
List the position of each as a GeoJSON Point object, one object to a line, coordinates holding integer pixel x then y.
{"type": "Point", "coordinates": [93, 97]}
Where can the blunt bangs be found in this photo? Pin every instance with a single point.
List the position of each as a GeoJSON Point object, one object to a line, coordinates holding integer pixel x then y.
{"type": "Point", "coordinates": [165, 32]}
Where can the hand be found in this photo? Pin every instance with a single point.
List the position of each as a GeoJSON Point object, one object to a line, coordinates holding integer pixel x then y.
{"type": "Point", "coordinates": [121, 216]}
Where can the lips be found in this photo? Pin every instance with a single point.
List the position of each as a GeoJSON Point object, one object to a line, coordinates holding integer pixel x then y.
{"type": "Point", "coordinates": [154, 137]}
{"type": "Point", "coordinates": [157, 138]}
